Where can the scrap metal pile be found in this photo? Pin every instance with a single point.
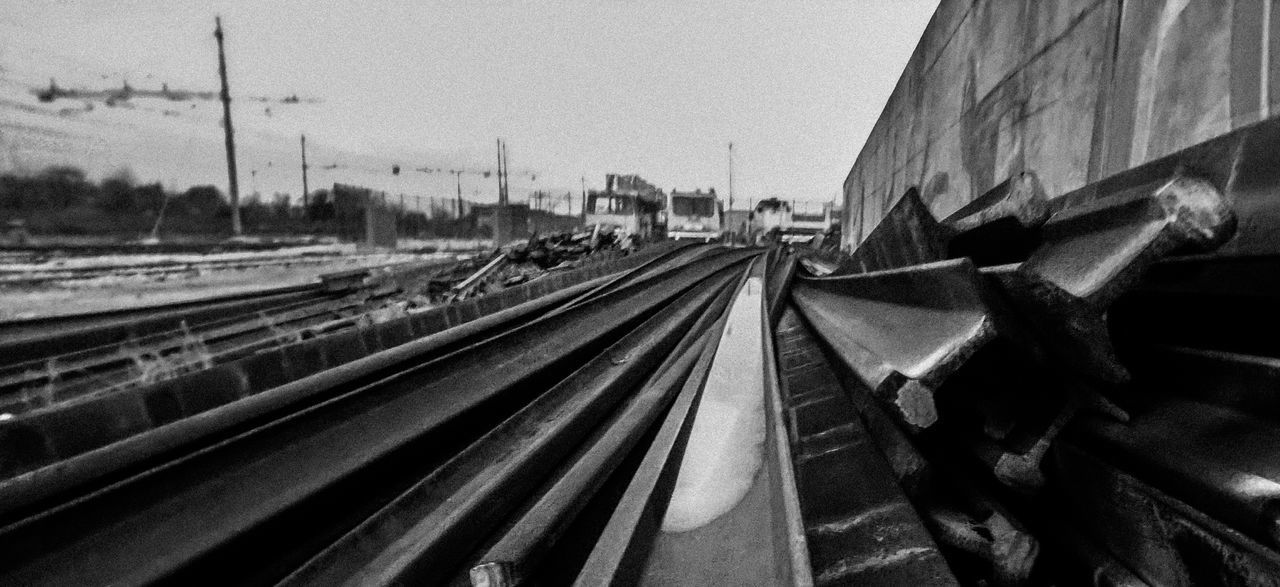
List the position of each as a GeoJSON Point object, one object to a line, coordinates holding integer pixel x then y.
{"type": "Point", "coordinates": [522, 262]}
{"type": "Point", "coordinates": [1037, 390]}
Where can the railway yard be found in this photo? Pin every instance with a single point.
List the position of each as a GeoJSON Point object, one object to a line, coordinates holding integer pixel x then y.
{"type": "Point", "coordinates": [1031, 342]}
{"type": "Point", "coordinates": [930, 408]}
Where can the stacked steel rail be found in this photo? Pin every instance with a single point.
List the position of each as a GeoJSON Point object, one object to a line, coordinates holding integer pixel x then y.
{"type": "Point", "coordinates": [1042, 390]}
{"type": "Point", "coordinates": [514, 448]}
{"type": "Point", "coordinates": [998, 397]}
{"type": "Point", "coordinates": [51, 360]}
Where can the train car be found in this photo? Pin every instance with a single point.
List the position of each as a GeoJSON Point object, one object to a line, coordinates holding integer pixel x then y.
{"type": "Point", "coordinates": [793, 221]}
{"type": "Point", "coordinates": [771, 214]}
{"type": "Point", "coordinates": [809, 219]}
{"type": "Point", "coordinates": [628, 206]}
{"type": "Point", "coordinates": [695, 215]}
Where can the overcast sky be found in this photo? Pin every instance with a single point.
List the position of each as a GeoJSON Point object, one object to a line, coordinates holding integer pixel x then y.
{"type": "Point", "coordinates": [657, 88]}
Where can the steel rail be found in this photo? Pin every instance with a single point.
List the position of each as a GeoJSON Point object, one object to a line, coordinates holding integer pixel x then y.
{"type": "Point", "coordinates": [860, 525]}
{"type": "Point", "coordinates": [781, 271]}
{"type": "Point", "coordinates": [38, 338]}
{"type": "Point", "coordinates": [903, 331]}
{"type": "Point", "coordinates": [775, 281]}
{"type": "Point", "coordinates": [425, 534]}
{"type": "Point", "coordinates": [62, 472]}
{"type": "Point", "coordinates": [678, 255]}
{"type": "Point", "coordinates": [618, 555]}
{"type": "Point", "coordinates": [109, 417]}
{"type": "Point", "coordinates": [516, 555]}
{"type": "Point", "coordinates": [522, 547]}
{"type": "Point", "coordinates": [381, 437]}
{"type": "Point", "coordinates": [1157, 536]}
{"type": "Point", "coordinates": [738, 524]}
{"type": "Point", "coordinates": [231, 333]}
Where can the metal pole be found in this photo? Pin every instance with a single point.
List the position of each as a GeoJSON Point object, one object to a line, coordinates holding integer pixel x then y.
{"type": "Point", "coordinates": [305, 191]}
{"type": "Point", "coordinates": [369, 225]}
{"type": "Point", "coordinates": [506, 176]}
{"type": "Point", "coordinates": [226, 125]}
{"type": "Point", "coordinates": [730, 175]}
{"type": "Point", "coordinates": [499, 219]}
{"type": "Point", "coordinates": [499, 143]}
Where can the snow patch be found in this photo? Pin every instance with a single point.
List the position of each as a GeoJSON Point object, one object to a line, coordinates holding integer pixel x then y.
{"type": "Point", "coordinates": [726, 444]}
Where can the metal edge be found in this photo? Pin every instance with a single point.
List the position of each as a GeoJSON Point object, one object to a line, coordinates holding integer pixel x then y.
{"type": "Point", "coordinates": [797, 543]}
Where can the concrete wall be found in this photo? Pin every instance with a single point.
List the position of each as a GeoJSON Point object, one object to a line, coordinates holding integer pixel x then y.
{"type": "Point", "coordinates": [1073, 90]}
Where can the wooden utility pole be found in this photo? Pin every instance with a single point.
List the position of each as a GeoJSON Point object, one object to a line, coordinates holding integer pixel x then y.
{"type": "Point", "coordinates": [230, 134]}
{"type": "Point", "coordinates": [584, 199]}
{"type": "Point", "coordinates": [305, 191]}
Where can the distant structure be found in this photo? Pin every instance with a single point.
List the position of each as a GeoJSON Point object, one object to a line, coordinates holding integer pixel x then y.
{"type": "Point", "coordinates": [628, 205]}
{"type": "Point", "coordinates": [523, 221]}
{"type": "Point", "coordinates": [772, 213]}
{"type": "Point", "coordinates": [792, 221]}
{"type": "Point", "coordinates": [363, 216]}
{"type": "Point", "coordinates": [809, 218]}
{"type": "Point", "coordinates": [695, 215]}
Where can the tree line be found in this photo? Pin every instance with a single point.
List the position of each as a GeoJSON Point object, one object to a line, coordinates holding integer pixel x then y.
{"type": "Point", "coordinates": [62, 200]}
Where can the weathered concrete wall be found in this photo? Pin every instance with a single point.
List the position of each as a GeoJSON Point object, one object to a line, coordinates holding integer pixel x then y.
{"type": "Point", "coordinates": [1073, 90]}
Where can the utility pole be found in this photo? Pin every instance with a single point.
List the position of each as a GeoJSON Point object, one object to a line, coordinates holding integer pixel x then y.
{"type": "Point", "coordinates": [506, 176]}
{"type": "Point", "coordinates": [730, 175]}
{"type": "Point", "coordinates": [305, 191]}
{"type": "Point", "coordinates": [584, 199]}
{"type": "Point", "coordinates": [226, 126]}
{"type": "Point", "coordinates": [458, 173]}
{"type": "Point", "coordinates": [499, 143]}
{"type": "Point", "coordinates": [500, 223]}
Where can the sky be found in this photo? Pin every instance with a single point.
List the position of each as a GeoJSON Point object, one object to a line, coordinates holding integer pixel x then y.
{"type": "Point", "coordinates": [576, 89]}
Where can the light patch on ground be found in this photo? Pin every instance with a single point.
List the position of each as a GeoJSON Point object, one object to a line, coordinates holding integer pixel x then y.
{"type": "Point", "coordinates": [122, 291]}
{"type": "Point", "coordinates": [725, 447]}
{"type": "Point", "coordinates": [137, 260]}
